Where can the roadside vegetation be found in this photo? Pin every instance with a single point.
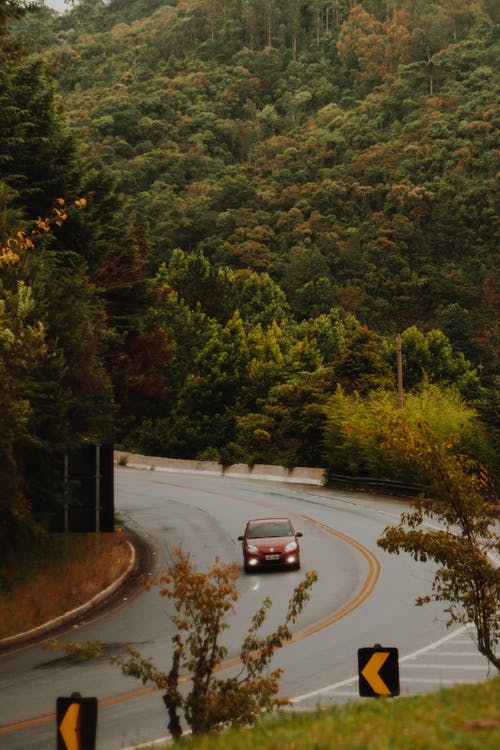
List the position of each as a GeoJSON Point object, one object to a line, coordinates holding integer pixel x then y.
{"type": "Point", "coordinates": [465, 717]}
{"type": "Point", "coordinates": [56, 574]}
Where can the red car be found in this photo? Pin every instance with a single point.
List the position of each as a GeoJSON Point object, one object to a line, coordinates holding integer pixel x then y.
{"type": "Point", "coordinates": [270, 542]}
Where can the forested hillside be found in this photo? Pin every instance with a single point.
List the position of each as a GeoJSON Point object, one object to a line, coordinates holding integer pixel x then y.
{"type": "Point", "coordinates": [274, 189]}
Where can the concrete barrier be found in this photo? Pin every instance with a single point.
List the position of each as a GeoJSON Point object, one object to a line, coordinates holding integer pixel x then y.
{"type": "Point", "coordinates": [299, 474]}
{"type": "Point", "coordinates": [263, 471]}
{"type": "Point", "coordinates": [237, 471]}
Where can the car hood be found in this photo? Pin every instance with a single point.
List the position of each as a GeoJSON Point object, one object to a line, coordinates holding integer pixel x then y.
{"type": "Point", "coordinates": [276, 542]}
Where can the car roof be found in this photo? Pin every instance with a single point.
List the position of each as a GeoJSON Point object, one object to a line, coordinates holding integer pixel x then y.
{"type": "Point", "coordinates": [266, 520]}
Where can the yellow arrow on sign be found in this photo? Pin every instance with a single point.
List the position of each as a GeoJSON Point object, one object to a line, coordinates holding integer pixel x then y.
{"type": "Point", "coordinates": [69, 727]}
{"type": "Point", "coordinates": [371, 673]}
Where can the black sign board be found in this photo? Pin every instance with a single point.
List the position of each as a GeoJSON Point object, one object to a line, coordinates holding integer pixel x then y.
{"type": "Point", "coordinates": [378, 671]}
{"type": "Point", "coordinates": [76, 723]}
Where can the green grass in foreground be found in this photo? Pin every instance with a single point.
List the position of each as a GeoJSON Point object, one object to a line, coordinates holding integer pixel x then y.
{"type": "Point", "coordinates": [464, 717]}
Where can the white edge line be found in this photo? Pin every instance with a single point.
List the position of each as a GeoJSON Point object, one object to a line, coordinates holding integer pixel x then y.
{"type": "Point", "coordinates": [336, 685]}
{"type": "Point", "coordinates": [350, 680]}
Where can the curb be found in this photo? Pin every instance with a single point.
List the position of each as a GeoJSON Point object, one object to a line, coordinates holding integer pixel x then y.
{"type": "Point", "coordinates": [46, 627]}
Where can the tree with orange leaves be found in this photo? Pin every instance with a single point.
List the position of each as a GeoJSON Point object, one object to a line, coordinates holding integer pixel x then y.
{"type": "Point", "coordinates": [202, 602]}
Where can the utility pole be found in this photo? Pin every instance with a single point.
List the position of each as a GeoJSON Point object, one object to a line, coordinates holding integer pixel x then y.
{"type": "Point", "coordinates": [400, 372]}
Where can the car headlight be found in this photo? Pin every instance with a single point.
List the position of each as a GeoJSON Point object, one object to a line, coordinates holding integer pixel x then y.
{"type": "Point", "coordinates": [291, 547]}
{"type": "Point", "coordinates": [252, 548]}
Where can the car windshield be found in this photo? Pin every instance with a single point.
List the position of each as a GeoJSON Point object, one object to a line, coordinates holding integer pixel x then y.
{"type": "Point", "coordinates": [269, 528]}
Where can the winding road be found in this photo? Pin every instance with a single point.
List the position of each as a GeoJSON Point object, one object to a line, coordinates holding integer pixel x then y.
{"type": "Point", "coordinates": [363, 596]}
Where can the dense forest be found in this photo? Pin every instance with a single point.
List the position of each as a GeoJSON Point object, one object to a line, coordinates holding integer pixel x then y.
{"type": "Point", "coordinates": [234, 206]}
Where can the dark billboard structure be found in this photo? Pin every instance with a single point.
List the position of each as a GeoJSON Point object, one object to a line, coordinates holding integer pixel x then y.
{"type": "Point", "coordinates": [89, 490]}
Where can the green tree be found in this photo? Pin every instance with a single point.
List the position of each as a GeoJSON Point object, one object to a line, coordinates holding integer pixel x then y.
{"type": "Point", "coordinates": [23, 348]}
{"type": "Point", "coordinates": [205, 410]}
{"type": "Point", "coordinates": [66, 393]}
{"type": "Point", "coordinates": [295, 413]}
{"type": "Point", "coordinates": [12, 9]}
{"type": "Point", "coordinates": [304, 277]}
{"type": "Point", "coordinates": [254, 440]}
{"type": "Point", "coordinates": [199, 282]}
{"type": "Point", "coordinates": [456, 324]}
{"type": "Point", "coordinates": [351, 444]}
{"type": "Point", "coordinates": [33, 399]}
{"type": "Point", "coordinates": [259, 299]}
{"type": "Point", "coordinates": [239, 153]}
{"type": "Point", "coordinates": [37, 153]}
{"type": "Point", "coordinates": [266, 362]}
{"type": "Point", "coordinates": [361, 365]}
{"type": "Point", "coordinates": [372, 47]}
{"type": "Point", "coordinates": [330, 332]}
{"type": "Point", "coordinates": [467, 579]}
{"type": "Point", "coordinates": [430, 355]}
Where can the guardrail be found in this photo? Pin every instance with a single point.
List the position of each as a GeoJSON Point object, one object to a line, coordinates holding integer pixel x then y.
{"type": "Point", "coordinates": [384, 486]}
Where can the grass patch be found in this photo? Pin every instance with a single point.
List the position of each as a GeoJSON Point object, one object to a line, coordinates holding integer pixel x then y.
{"type": "Point", "coordinates": [56, 574]}
{"type": "Point", "coordinates": [465, 717]}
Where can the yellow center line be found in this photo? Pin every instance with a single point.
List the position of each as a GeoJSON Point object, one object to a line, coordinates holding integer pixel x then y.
{"type": "Point", "coordinates": [362, 594]}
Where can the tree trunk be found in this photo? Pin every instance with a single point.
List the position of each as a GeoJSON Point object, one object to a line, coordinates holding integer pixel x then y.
{"type": "Point", "coordinates": [170, 698]}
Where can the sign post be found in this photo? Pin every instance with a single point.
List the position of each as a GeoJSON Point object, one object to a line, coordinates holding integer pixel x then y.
{"type": "Point", "coordinates": [378, 671]}
{"type": "Point", "coordinates": [76, 723]}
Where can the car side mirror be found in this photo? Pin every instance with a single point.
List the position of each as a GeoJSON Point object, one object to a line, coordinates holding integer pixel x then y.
{"type": "Point", "coordinates": [241, 538]}
{"type": "Point", "coordinates": [299, 533]}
